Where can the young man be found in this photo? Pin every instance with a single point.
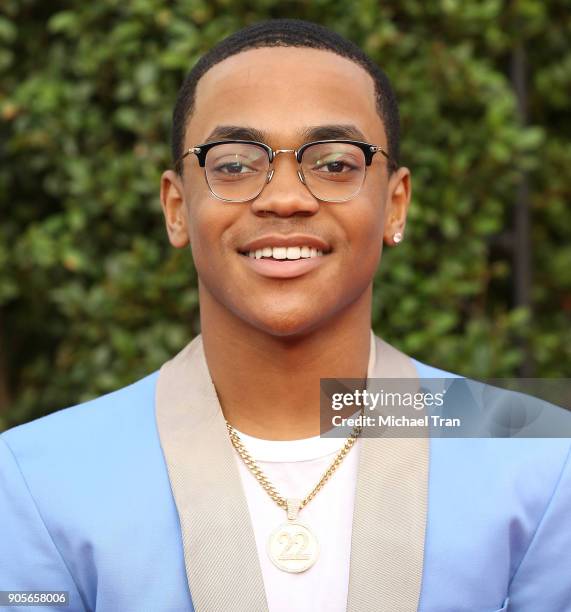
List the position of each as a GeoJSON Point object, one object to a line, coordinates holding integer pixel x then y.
{"type": "Point", "coordinates": [200, 486]}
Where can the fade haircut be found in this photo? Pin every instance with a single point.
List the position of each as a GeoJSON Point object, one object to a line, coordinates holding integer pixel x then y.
{"type": "Point", "coordinates": [287, 33]}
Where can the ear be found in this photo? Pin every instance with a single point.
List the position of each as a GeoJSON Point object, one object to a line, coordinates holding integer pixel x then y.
{"type": "Point", "coordinates": [398, 199]}
{"type": "Point", "coordinates": [172, 202]}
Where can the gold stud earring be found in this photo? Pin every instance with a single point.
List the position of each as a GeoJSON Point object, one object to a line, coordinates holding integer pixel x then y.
{"type": "Point", "coordinates": [397, 237]}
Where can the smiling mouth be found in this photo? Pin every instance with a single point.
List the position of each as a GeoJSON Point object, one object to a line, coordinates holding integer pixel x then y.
{"type": "Point", "coordinates": [285, 253]}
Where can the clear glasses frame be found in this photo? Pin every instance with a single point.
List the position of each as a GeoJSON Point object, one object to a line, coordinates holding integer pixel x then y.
{"type": "Point", "coordinates": [201, 151]}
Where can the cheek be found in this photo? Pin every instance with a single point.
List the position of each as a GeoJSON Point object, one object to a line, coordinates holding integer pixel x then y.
{"type": "Point", "coordinates": [208, 221]}
{"type": "Point", "coordinates": [365, 255]}
{"type": "Point", "coordinates": [364, 234]}
{"type": "Point", "coordinates": [201, 241]}
{"type": "Point", "coordinates": [368, 225]}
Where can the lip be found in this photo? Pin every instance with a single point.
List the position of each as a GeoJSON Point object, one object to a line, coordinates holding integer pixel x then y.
{"type": "Point", "coordinates": [284, 268]}
{"type": "Point", "coordinates": [291, 240]}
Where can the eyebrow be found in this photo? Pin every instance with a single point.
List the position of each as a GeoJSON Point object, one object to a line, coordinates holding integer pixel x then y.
{"type": "Point", "coordinates": [308, 134]}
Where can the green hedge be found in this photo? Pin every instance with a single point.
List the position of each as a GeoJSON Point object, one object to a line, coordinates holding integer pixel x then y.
{"type": "Point", "coordinates": [92, 296]}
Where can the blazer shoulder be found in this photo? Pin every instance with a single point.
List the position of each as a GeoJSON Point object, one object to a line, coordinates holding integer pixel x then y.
{"type": "Point", "coordinates": [427, 371]}
{"type": "Point", "coordinates": [514, 430]}
{"type": "Point", "coordinates": [99, 419]}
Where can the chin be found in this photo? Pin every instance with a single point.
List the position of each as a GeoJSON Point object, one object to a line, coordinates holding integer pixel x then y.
{"type": "Point", "coordinates": [286, 324]}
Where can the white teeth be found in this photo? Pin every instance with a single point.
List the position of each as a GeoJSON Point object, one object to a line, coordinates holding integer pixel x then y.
{"type": "Point", "coordinates": [279, 252]}
{"type": "Point", "coordinates": [296, 252]}
{"type": "Point", "coordinates": [293, 252]}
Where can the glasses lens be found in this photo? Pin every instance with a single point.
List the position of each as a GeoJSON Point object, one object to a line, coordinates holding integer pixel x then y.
{"type": "Point", "coordinates": [236, 172]}
{"type": "Point", "coordinates": [333, 171]}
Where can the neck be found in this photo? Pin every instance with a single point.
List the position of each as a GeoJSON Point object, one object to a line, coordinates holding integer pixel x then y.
{"type": "Point", "coordinates": [268, 386]}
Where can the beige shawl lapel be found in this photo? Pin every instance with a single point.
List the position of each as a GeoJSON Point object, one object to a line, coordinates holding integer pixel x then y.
{"type": "Point", "coordinates": [220, 553]}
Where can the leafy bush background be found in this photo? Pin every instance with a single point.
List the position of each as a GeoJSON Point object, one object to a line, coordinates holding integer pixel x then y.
{"type": "Point", "coordinates": [92, 297]}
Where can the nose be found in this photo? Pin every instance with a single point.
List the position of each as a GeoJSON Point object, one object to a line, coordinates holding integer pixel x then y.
{"type": "Point", "coordinates": [285, 194]}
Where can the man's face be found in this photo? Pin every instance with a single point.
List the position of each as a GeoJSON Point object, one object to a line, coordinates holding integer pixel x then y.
{"type": "Point", "coordinates": [283, 91]}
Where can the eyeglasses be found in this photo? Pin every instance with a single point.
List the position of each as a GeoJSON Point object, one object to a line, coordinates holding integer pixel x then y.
{"type": "Point", "coordinates": [238, 170]}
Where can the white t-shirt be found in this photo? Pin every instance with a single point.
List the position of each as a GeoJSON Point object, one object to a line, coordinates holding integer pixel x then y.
{"type": "Point", "coordinates": [294, 467]}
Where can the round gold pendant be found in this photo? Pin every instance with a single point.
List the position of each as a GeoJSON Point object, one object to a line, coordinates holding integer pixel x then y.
{"type": "Point", "coordinates": [293, 548]}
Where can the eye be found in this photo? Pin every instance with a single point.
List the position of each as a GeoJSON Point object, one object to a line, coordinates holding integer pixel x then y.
{"type": "Point", "coordinates": [236, 161]}
{"type": "Point", "coordinates": [334, 160]}
{"type": "Point", "coordinates": [336, 166]}
{"type": "Point", "coordinates": [233, 167]}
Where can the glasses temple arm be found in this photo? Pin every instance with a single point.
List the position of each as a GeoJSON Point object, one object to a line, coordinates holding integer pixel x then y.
{"type": "Point", "coordinates": [195, 150]}
{"type": "Point", "coordinates": [379, 149]}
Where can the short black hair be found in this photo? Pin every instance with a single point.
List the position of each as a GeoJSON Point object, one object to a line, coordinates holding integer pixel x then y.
{"type": "Point", "coordinates": [287, 33]}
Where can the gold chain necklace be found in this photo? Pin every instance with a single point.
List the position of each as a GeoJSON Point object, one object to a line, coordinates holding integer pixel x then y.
{"type": "Point", "coordinates": [292, 547]}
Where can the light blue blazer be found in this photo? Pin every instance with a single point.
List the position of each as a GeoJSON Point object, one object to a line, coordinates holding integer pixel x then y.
{"type": "Point", "coordinates": [87, 506]}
